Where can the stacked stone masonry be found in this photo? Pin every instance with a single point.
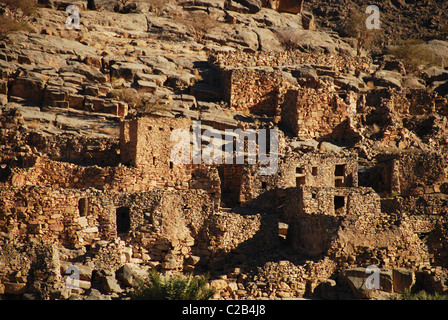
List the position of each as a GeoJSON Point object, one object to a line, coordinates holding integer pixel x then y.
{"type": "Point", "coordinates": [135, 206]}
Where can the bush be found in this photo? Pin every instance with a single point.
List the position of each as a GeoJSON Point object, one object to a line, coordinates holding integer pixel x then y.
{"type": "Point", "coordinates": [199, 24]}
{"type": "Point", "coordinates": [129, 95]}
{"type": "Point", "coordinates": [157, 6]}
{"type": "Point", "coordinates": [413, 54]}
{"type": "Point", "coordinates": [173, 288]}
{"type": "Point", "coordinates": [27, 7]}
{"type": "Point", "coordinates": [289, 38]}
{"type": "Point", "coordinates": [355, 27]}
{"type": "Point", "coordinates": [421, 295]}
{"type": "Point", "coordinates": [20, 10]}
{"type": "Point", "coordinates": [8, 25]}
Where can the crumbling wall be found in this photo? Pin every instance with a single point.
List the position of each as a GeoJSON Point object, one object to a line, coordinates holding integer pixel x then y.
{"type": "Point", "coordinates": [257, 90]}
{"type": "Point", "coordinates": [417, 102]}
{"type": "Point", "coordinates": [315, 214]}
{"type": "Point", "coordinates": [295, 169]}
{"type": "Point", "coordinates": [312, 114]}
{"type": "Point", "coordinates": [341, 63]}
{"type": "Point", "coordinates": [32, 267]}
{"type": "Point", "coordinates": [356, 233]}
{"type": "Point", "coordinates": [70, 217]}
{"type": "Point", "coordinates": [412, 173]}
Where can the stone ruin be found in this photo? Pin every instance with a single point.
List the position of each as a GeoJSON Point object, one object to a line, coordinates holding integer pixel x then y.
{"type": "Point", "coordinates": [325, 210]}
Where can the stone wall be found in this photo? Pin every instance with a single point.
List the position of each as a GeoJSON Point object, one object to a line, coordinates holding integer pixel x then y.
{"type": "Point", "coordinates": [171, 231]}
{"type": "Point", "coordinates": [70, 217]}
{"type": "Point", "coordinates": [412, 173]}
{"type": "Point", "coordinates": [317, 114]}
{"type": "Point", "coordinates": [315, 214]}
{"type": "Point", "coordinates": [257, 90]}
{"type": "Point", "coordinates": [340, 63]}
{"type": "Point", "coordinates": [18, 143]}
{"type": "Point", "coordinates": [275, 86]}
{"type": "Point", "coordinates": [295, 169]}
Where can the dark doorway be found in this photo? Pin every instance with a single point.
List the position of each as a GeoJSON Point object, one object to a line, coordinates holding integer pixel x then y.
{"type": "Point", "coordinates": [83, 207]}
{"type": "Point", "coordinates": [5, 172]}
{"type": "Point", "coordinates": [339, 204]}
{"type": "Point", "coordinates": [123, 220]}
{"type": "Point", "coordinates": [230, 176]}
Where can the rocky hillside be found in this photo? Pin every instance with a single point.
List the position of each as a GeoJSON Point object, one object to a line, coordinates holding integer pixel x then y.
{"type": "Point", "coordinates": [400, 19]}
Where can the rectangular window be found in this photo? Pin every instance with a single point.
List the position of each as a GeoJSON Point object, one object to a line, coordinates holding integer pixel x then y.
{"type": "Point", "coordinates": [83, 207]}
{"type": "Point", "coordinates": [339, 170]}
{"type": "Point", "coordinates": [300, 181]}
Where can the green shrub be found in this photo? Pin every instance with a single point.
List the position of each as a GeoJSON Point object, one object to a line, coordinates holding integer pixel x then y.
{"type": "Point", "coordinates": [173, 288]}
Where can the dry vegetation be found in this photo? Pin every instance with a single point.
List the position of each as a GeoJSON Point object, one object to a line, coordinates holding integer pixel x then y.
{"type": "Point", "coordinates": [15, 22]}
{"type": "Point", "coordinates": [414, 54]}
{"type": "Point", "coordinates": [21, 7]}
{"type": "Point", "coordinates": [157, 6]}
{"type": "Point", "coordinates": [355, 27]}
{"type": "Point", "coordinates": [8, 25]}
{"type": "Point", "coordinates": [129, 95]}
{"type": "Point", "coordinates": [289, 39]}
{"type": "Point", "coordinates": [199, 24]}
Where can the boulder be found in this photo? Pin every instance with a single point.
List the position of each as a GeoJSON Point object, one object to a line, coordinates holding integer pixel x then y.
{"type": "Point", "coordinates": [329, 147]}
{"type": "Point", "coordinates": [128, 274]}
{"type": "Point", "coordinates": [29, 88]}
{"type": "Point", "coordinates": [243, 36]}
{"type": "Point", "coordinates": [435, 73]}
{"type": "Point", "coordinates": [413, 83]}
{"type": "Point", "coordinates": [172, 262]}
{"type": "Point", "coordinates": [356, 280]}
{"type": "Point", "coordinates": [89, 72]}
{"type": "Point", "coordinates": [110, 285]}
{"type": "Point", "coordinates": [267, 41]}
{"type": "Point", "coordinates": [385, 78]}
{"type": "Point", "coordinates": [403, 279]}
{"type": "Point", "coordinates": [85, 272]}
{"type": "Point", "coordinates": [306, 76]}
{"type": "Point", "coordinates": [128, 70]}
{"type": "Point", "coordinates": [304, 144]}
{"type": "Point", "coordinates": [15, 288]}
{"type": "Point", "coordinates": [219, 4]}
{"type": "Point", "coordinates": [439, 48]}
{"type": "Point", "coordinates": [95, 294]}
{"type": "Point", "coordinates": [253, 6]}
